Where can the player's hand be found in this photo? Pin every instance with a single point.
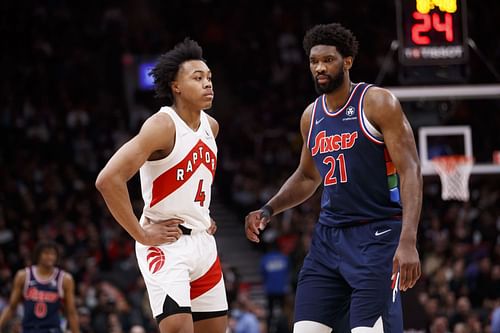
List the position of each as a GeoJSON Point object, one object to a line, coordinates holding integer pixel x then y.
{"type": "Point", "coordinates": [162, 232]}
{"type": "Point", "coordinates": [255, 222]}
{"type": "Point", "coordinates": [406, 260]}
{"type": "Point", "coordinates": [213, 227]}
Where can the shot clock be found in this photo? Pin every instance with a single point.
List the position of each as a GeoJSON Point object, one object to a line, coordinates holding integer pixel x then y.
{"type": "Point", "coordinates": [432, 32]}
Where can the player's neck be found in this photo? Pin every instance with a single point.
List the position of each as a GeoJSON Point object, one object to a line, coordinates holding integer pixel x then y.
{"type": "Point", "coordinates": [44, 271]}
{"type": "Point", "coordinates": [190, 115]}
{"type": "Point", "coordinates": [339, 96]}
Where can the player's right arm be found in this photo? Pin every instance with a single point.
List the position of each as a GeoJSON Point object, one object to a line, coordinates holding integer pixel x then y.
{"type": "Point", "coordinates": [156, 136]}
{"type": "Point", "coordinates": [296, 189]}
{"type": "Point", "coordinates": [15, 297]}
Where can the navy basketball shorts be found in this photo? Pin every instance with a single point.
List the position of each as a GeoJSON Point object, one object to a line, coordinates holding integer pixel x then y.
{"type": "Point", "coordinates": [345, 282]}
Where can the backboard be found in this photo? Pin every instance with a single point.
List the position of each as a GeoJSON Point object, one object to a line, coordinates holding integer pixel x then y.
{"type": "Point", "coordinates": [436, 141]}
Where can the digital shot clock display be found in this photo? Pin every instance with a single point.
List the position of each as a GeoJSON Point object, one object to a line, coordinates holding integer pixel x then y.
{"type": "Point", "coordinates": [432, 32]}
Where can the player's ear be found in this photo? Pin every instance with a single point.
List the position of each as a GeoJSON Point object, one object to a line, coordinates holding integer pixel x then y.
{"type": "Point", "coordinates": [347, 63]}
{"type": "Point", "coordinates": [175, 87]}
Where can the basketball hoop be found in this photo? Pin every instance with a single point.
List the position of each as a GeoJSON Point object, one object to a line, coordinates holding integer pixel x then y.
{"type": "Point", "coordinates": [454, 172]}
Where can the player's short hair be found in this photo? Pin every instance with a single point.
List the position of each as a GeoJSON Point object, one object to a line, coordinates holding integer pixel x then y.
{"type": "Point", "coordinates": [169, 63]}
{"type": "Point", "coordinates": [42, 246]}
{"type": "Point", "coordinates": [333, 34]}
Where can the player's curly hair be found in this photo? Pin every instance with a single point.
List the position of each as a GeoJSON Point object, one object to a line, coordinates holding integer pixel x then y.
{"type": "Point", "coordinates": [42, 246]}
{"type": "Point", "coordinates": [168, 65]}
{"type": "Point", "coordinates": [333, 34]}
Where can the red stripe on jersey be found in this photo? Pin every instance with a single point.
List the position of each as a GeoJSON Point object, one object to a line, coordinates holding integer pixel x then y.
{"type": "Point", "coordinates": [175, 177]}
{"type": "Point", "coordinates": [207, 281]}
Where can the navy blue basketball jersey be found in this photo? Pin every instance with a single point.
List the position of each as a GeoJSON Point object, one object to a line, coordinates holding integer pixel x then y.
{"type": "Point", "coordinates": [42, 300]}
{"type": "Point", "coordinates": [360, 183]}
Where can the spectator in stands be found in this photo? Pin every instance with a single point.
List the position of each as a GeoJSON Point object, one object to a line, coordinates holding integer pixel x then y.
{"type": "Point", "coordinates": [242, 318]}
{"type": "Point", "coordinates": [275, 272]}
{"type": "Point", "coordinates": [439, 324]}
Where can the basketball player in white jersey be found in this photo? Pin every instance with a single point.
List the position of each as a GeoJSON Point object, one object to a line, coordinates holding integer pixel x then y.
{"type": "Point", "coordinates": [176, 154]}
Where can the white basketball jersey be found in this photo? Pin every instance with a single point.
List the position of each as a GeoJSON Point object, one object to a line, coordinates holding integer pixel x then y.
{"type": "Point", "coordinates": [179, 185]}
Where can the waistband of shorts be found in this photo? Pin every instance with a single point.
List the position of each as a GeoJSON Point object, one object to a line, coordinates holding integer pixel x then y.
{"type": "Point", "coordinates": [363, 222]}
{"type": "Point", "coordinates": [190, 232]}
{"type": "Point", "coordinates": [185, 230]}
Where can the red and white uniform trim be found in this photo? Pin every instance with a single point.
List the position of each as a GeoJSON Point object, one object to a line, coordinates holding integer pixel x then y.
{"type": "Point", "coordinates": [179, 186]}
{"type": "Point", "coordinates": [170, 186]}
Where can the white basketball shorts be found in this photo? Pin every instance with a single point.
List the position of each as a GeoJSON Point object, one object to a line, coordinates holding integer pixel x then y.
{"type": "Point", "coordinates": [187, 271]}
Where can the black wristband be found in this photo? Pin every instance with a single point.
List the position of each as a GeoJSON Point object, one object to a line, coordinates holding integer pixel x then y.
{"type": "Point", "coordinates": [267, 211]}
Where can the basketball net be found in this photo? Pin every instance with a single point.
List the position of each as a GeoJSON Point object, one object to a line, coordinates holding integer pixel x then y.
{"type": "Point", "coordinates": [454, 172]}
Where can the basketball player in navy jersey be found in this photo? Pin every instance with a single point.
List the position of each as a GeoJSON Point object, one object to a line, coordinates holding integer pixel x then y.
{"type": "Point", "coordinates": [44, 290]}
{"type": "Point", "coordinates": [175, 153]}
{"type": "Point", "coordinates": [359, 146]}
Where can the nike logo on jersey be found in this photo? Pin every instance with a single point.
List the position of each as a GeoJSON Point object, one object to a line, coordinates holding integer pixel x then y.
{"type": "Point", "coordinates": [207, 135]}
{"type": "Point", "coordinates": [378, 233]}
{"type": "Point", "coordinates": [319, 120]}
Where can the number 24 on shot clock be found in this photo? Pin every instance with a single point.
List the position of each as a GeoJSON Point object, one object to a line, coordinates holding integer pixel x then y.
{"type": "Point", "coordinates": [432, 32]}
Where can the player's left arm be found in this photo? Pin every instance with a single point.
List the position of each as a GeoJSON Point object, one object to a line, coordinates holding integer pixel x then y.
{"type": "Point", "coordinates": [69, 302]}
{"type": "Point", "coordinates": [384, 111]}
{"type": "Point", "coordinates": [214, 125]}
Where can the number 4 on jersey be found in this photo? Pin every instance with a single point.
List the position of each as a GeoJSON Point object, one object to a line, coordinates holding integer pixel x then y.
{"type": "Point", "coordinates": [200, 194]}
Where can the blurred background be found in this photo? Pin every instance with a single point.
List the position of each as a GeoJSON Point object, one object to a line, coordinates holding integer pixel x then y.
{"type": "Point", "coordinates": [73, 89]}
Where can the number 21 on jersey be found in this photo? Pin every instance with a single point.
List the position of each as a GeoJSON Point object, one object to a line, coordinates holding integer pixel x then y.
{"type": "Point", "coordinates": [330, 179]}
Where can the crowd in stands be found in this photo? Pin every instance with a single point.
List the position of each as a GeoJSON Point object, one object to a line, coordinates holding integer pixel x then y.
{"type": "Point", "coordinates": [64, 110]}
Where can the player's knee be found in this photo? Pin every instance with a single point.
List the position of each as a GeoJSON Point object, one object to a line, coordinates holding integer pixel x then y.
{"type": "Point", "coordinates": [377, 328]}
{"type": "Point", "coordinates": [177, 323]}
{"type": "Point", "coordinates": [306, 326]}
